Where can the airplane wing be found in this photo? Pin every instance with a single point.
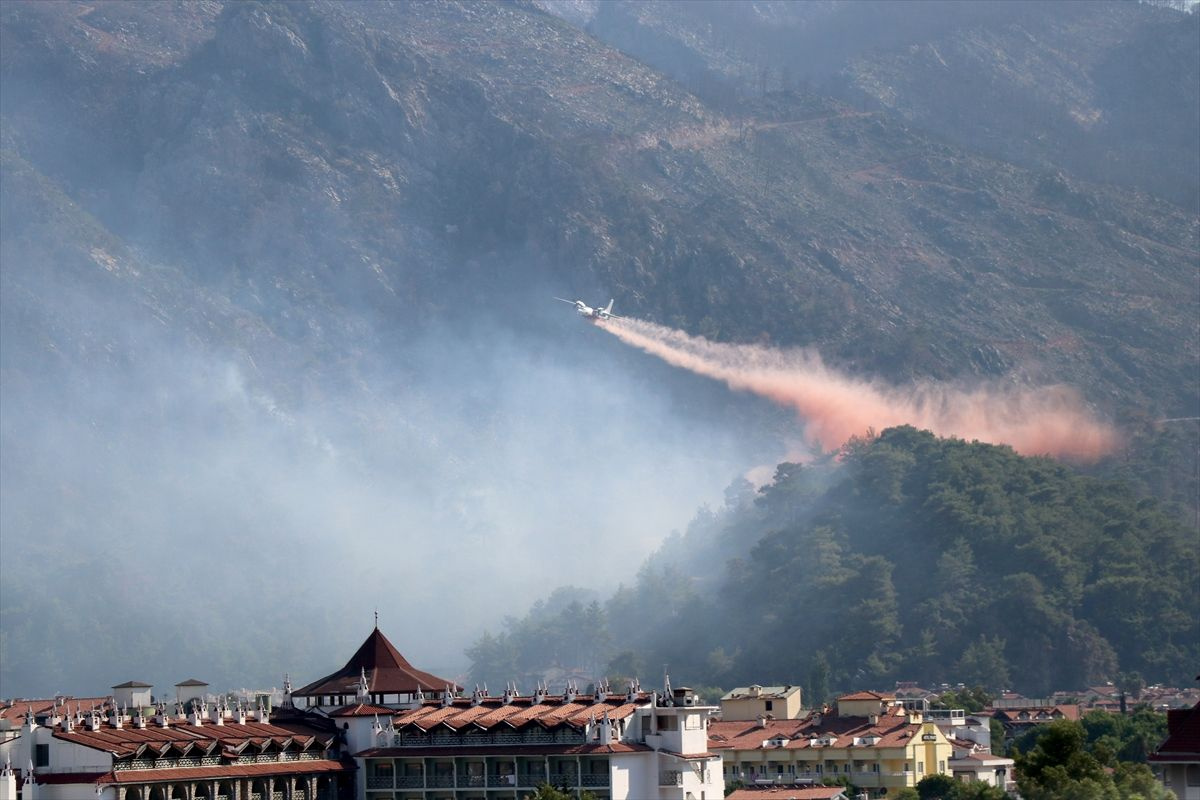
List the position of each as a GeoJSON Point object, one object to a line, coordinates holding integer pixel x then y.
{"type": "Point", "coordinates": [572, 302]}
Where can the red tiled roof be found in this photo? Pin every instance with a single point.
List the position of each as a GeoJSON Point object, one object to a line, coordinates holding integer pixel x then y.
{"type": "Point", "coordinates": [867, 696]}
{"type": "Point", "coordinates": [893, 730]}
{"type": "Point", "coordinates": [491, 712]}
{"type": "Point", "coordinates": [17, 709]}
{"type": "Point", "coordinates": [786, 793]}
{"type": "Point", "coordinates": [1038, 713]}
{"type": "Point", "coordinates": [506, 750]}
{"type": "Point", "coordinates": [1183, 736]}
{"type": "Point", "coordinates": [128, 740]}
{"type": "Point", "coordinates": [362, 710]}
{"type": "Point", "coordinates": [387, 672]}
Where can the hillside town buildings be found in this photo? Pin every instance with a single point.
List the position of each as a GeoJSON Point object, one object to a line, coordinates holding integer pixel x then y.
{"type": "Point", "coordinates": [380, 728]}
{"type": "Point", "coordinates": [1177, 759]}
{"type": "Point", "coordinates": [377, 728]}
{"type": "Point", "coordinates": [415, 736]}
{"type": "Point", "coordinates": [867, 737]}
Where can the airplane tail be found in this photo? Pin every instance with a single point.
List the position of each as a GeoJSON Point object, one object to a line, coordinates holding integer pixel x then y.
{"type": "Point", "coordinates": [608, 308]}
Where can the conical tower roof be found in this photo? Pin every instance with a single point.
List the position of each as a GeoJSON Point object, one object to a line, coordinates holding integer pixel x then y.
{"type": "Point", "coordinates": [387, 672]}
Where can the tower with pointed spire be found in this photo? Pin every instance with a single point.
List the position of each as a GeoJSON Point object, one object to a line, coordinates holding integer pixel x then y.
{"type": "Point", "coordinates": [376, 674]}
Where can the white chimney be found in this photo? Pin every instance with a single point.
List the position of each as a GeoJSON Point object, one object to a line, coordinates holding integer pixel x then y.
{"type": "Point", "coordinates": [605, 730]}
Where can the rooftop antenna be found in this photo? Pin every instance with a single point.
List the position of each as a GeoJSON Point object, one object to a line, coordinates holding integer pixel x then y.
{"type": "Point", "coordinates": [376, 619]}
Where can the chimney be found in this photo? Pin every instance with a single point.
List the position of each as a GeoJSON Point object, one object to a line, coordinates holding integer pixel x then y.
{"type": "Point", "coordinates": [570, 692]}
{"type": "Point", "coordinates": [762, 720]}
{"type": "Point", "coordinates": [605, 730]}
{"type": "Point", "coordinates": [263, 714]}
{"type": "Point", "coordinates": [218, 714]}
{"type": "Point", "coordinates": [239, 714]}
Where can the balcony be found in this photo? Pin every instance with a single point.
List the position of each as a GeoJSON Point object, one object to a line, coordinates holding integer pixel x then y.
{"type": "Point", "coordinates": [597, 781]}
{"type": "Point", "coordinates": [471, 781]}
{"type": "Point", "coordinates": [377, 782]}
{"type": "Point", "coordinates": [532, 780]}
{"type": "Point", "coordinates": [502, 780]}
{"type": "Point", "coordinates": [410, 781]}
{"type": "Point", "coordinates": [440, 782]}
{"type": "Point", "coordinates": [865, 778]}
{"type": "Point", "coordinates": [671, 777]}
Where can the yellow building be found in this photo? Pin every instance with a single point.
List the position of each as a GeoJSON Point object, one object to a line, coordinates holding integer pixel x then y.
{"type": "Point", "coordinates": [868, 738]}
{"type": "Point", "coordinates": [752, 702]}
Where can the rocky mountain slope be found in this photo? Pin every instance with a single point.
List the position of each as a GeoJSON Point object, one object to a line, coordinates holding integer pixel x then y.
{"type": "Point", "coordinates": [1108, 91]}
{"type": "Point", "coordinates": [373, 158]}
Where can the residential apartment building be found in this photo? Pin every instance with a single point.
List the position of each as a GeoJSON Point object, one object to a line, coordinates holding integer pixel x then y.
{"type": "Point", "coordinates": [205, 751]}
{"type": "Point", "coordinates": [415, 737]}
{"type": "Point", "coordinates": [1177, 759]}
{"type": "Point", "coordinates": [752, 702]}
{"type": "Point", "coordinates": [868, 738]}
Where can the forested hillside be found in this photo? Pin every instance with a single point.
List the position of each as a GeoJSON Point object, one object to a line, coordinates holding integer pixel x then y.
{"type": "Point", "coordinates": [907, 558]}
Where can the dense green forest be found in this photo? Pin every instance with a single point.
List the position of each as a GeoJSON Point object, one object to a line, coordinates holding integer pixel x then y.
{"type": "Point", "coordinates": [904, 556]}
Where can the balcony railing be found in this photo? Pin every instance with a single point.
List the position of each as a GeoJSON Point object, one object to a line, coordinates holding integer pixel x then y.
{"type": "Point", "coordinates": [670, 778]}
{"type": "Point", "coordinates": [379, 782]}
{"type": "Point", "coordinates": [502, 780]}
{"type": "Point", "coordinates": [470, 781]}
{"type": "Point", "coordinates": [410, 781]}
{"type": "Point", "coordinates": [562, 779]}
{"type": "Point", "coordinates": [440, 781]}
{"type": "Point", "coordinates": [595, 781]}
{"type": "Point", "coordinates": [532, 780]}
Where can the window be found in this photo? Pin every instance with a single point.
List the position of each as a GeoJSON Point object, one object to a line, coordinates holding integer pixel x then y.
{"type": "Point", "coordinates": [41, 755]}
{"type": "Point", "coordinates": [769, 705]}
{"type": "Point", "coordinates": [920, 767]}
{"type": "Point", "coordinates": [692, 722]}
{"type": "Point", "coordinates": [1193, 774]}
{"type": "Point", "coordinates": [941, 766]}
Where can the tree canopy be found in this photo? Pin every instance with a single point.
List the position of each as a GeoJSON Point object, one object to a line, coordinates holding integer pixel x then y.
{"type": "Point", "coordinates": [906, 557]}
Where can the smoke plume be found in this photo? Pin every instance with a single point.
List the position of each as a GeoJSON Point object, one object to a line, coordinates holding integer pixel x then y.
{"type": "Point", "coordinates": [834, 407]}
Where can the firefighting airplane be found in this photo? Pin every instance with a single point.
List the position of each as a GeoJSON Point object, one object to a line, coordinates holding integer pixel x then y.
{"type": "Point", "coordinates": [595, 314]}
